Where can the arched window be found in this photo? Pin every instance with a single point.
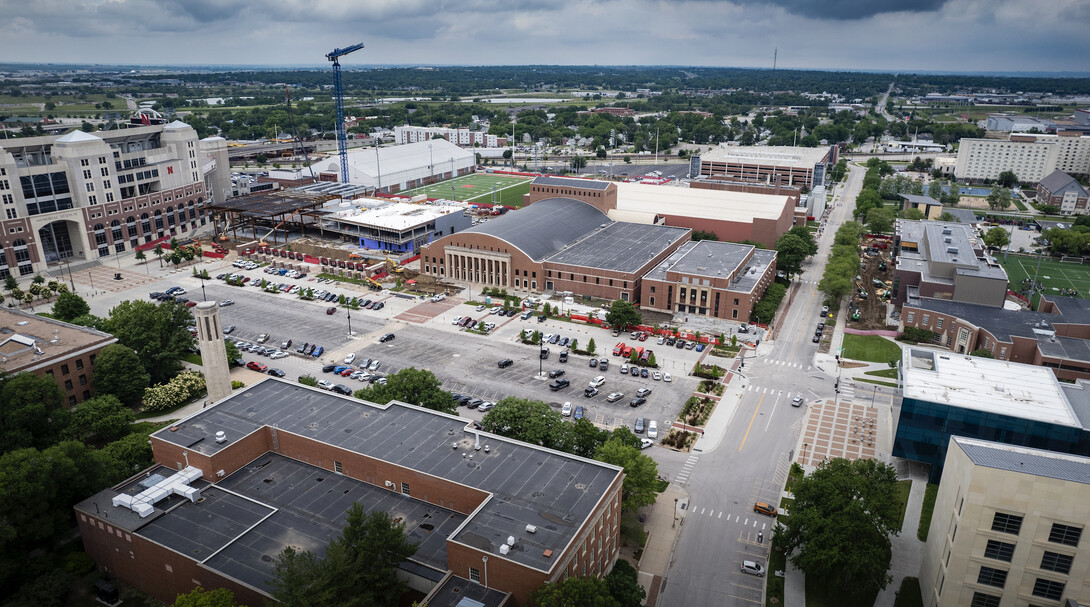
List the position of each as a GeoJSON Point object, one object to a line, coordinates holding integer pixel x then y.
{"type": "Point", "coordinates": [115, 230]}
{"type": "Point", "coordinates": [158, 220]}
{"type": "Point", "coordinates": [170, 216]}
{"type": "Point", "coordinates": [130, 222]}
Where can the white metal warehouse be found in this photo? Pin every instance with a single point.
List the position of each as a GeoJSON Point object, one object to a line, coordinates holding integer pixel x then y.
{"type": "Point", "coordinates": [402, 167]}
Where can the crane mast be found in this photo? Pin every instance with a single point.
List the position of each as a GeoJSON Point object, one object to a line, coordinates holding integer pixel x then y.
{"type": "Point", "coordinates": [338, 95]}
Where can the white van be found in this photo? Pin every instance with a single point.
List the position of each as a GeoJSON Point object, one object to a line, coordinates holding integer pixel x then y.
{"type": "Point", "coordinates": [652, 429]}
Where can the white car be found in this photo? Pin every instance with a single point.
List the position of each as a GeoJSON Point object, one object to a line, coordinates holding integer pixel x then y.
{"type": "Point", "coordinates": [652, 429]}
{"type": "Point", "coordinates": [655, 375]}
{"type": "Point", "coordinates": [566, 410]}
{"type": "Point", "coordinates": [278, 354]}
{"type": "Point", "coordinates": [624, 369]}
{"type": "Point", "coordinates": [666, 377]}
{"type": "Point", "coordinates": [662, 340]}
{"type": "Point", "coordinates": [614, 397]}
{"type": "Point", "coordinates": [264, 337]}
{"type": "Point", "coordinates": [645, 443]}
{"type": "Point", "coordinates": [495, 310]}
{"type": "Point", "coordinates": [546, 337]}
{"type": "Point", "coordinates": [481, 308]}
{"type": "Point", "coordinates": [325, 384]}
{"type": "Point", "coordinates": [374, 365]}
{"type": "Point", "coordinates": [348, 359]}
{"type": "Point", "coordinates": [457, 320]}
{"type": "Point", "coordinates": [597, 381]}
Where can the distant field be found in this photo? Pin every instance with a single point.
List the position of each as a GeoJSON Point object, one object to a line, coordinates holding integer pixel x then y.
{"type": "Point", "coordinates": [1053, 275]}
{"type": "Point", "coordinates": [478, 188]}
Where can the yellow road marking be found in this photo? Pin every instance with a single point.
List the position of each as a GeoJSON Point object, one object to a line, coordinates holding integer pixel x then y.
{"type": "Point", "coordinates": [751, 422]}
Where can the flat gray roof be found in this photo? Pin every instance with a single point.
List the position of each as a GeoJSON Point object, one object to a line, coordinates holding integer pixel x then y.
{"type": "Point", "coordinates": [620, 246]}
{"type": "Point", "coordinates": [716, 259]}
{"type": "Point", "coordinates": [554, 491]}
{"type": "Point", "coordinates": [925, 200]}
{"type": "Point", "coordinates": [543, 227]}
{"type": "Point", "coordinates": [570, 182]}
{"type": "Point", "coordinates": [1035, 462]}
{"type": "Point", "coordinates": [459, 592]}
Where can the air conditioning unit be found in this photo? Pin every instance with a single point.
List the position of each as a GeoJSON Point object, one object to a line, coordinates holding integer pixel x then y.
{"type": "Point", "coordinates": [531, 529]}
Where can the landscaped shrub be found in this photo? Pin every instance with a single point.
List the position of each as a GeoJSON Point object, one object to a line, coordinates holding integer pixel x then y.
{"type": "Point", "coordinates": [184, 387]}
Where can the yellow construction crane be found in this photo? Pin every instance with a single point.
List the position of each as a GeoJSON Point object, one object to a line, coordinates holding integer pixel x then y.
{"type": "Point", "coordinates": [392, 266]}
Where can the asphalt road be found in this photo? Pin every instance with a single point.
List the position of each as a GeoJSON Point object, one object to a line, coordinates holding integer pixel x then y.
{"type": "Point", "coordinates": [751, 461]}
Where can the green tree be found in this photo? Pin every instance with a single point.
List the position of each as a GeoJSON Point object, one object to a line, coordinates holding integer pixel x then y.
{"type": "Point", "coordinates": [158, 250]}
{"type": "Point", "coordinates": [913, 213]}
{"type": "Point", "coordinates": [591, 347]}
{"type": "Point", "coordinates": [38, 280]}
{"type": "Point", "coordinates": [982, 353]}
{"type": "Point", "coordinates": [128, 455]}
{"type": "Point", "coordinates": [840, 525]}
{"type": "Point", "coordinates": [359, 568]}
{"type": "Point", "coordinates": [586, 438]}
{"type": "Point", "coordinates": [232, 352]}
{"type": "Point", "coordinates": [634, 357]}
{"type": "Point", "coordinates": [119, 372]}
{"type": "Point", "coordinates": [32, 412]}
{"type": "Point", "coordinates": [640, 487]}
{"type": "Point", "coordinates": [946, 216]}
{"type": "Point", "coordinates": [934, 189]}
{"type": "Point", "coordinates": [1007, 179]}
{"type": "Point", "coordinates": [791, 251]}
{"type": "Point", "coordinates": [573, 591]}
{"type": "Point", "coordinates": [624, 586]}
{"type": "Point", "coordinates": [200, 597]}
{"type": "Point", "coordinates": [69, 306]}
{"type": "Point", "coordinates": [997, 237]}
{"type": "Point", "coordinates": [89, 320]}
{"type": "Point", "coordinates": [623, 314]}
{"type": "Point", "coordinates": [530, 421]}
{"type": "Point", "coordinates": [102, 419]}
{"type": "Point", "coordinates": [141, 256]}
{"type": "Point", "coordinates": [308, 380]}
{"type": "Point", "coordinates": [156, 332]}
{"type": "Point", "coordinates": [10, 283]}
{"type": "Point", "coordinates": [999, 198]}
{"type": "Point", "coordinates": [880, 221]}
{"type": "Point", "coordinates": [578, 162]}
{"type": "Point", "coordinates": [413, 386]}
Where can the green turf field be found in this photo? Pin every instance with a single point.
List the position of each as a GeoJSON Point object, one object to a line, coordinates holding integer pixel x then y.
{"type": "Point", "coordinates": [477, 187]}
{"type": "Point", "coordinates": [1053, 275]}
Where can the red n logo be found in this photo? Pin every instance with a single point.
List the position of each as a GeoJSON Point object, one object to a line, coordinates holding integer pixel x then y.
{"type": "Point", "coordinates": [170, 170]}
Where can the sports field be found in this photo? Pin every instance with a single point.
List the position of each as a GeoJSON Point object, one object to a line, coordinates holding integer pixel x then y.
{"type": "Point", "coordinates": [477, 187]}
{"type": "Point", "coordinates": [1054, 277]}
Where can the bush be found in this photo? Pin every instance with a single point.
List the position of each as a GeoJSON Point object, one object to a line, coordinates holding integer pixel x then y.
{"type": "Point", "coordinates": [915, 335]}
{"type": "Point", "coordinates": [308, 380]}
{"type": "Point", "coordinates": [235, 384]}
{"type": "Point", "coordinates": [183, 388]}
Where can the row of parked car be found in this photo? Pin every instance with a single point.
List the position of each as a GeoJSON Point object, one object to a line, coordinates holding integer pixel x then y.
{"type": "Point", "coordinates": [465, 400]}
{"type": "Point", "coordinates": [469, 323]}
{"type": "Point", "coordinates": [366, 372]}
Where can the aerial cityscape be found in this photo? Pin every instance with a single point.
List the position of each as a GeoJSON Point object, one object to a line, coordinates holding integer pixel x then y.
{"type": "Point", "coordinates": [545, 304]}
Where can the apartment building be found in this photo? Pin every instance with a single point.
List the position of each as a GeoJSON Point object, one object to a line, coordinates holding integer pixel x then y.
{"type": "Point", "coordinates": [83, 196]}
{"type": "Point", "coordinates": [1062, 190]}
{"type": "Point", "coordinates": [1030, 157]}
{"type": "Point", "coordinates": [466, 138]}
{"type": "Point", "coordinates": [1007, 528]}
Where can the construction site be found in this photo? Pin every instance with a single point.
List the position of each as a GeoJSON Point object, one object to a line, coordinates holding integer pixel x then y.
{"type": "Point", "coordinates": [868, 305]}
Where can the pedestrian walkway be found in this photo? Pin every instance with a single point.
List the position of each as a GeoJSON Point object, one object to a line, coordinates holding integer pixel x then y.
{"type": "Point", "coordinates": [663, 525]}
{"type": "Point", "coordinates": [907, 548]}
{"type": "Point", "coordinates": [687, 469]}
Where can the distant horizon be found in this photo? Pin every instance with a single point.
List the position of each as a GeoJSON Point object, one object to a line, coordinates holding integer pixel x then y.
{"type": "Point", "coordinates": [326, 66]}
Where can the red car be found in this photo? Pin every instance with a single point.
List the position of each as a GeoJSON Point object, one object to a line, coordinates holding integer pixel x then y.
{"type": "Point", "coordinates": [190, 304]}
{"type": "Point", "coordinates": [256, 366]}
{"type": "Point", "coordinates": [330, 310]}
{"type": "Point", "coordinates": [347, 372]}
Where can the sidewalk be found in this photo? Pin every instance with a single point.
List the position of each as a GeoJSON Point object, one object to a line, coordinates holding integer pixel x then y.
{"type": "Point", "coordinates": [907, 549]}
{"type": "Point", "coordinates": [663, 526]}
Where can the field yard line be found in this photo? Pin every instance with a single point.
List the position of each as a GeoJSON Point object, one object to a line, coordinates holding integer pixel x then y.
{"type": "Point", "coordinates": [489, 193]}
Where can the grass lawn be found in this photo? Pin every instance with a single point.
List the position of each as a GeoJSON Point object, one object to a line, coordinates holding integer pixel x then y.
{"type": "Point", "coordinates": [1018, 203]}
{"type": "Point", "coordinates": [887, 384]}
{"type": "Point", "coordinates": [909, 595]}
{"type": "Point", "coordinates": [903, 489]}
{"type": "Point", "coordinates": [890, 373]}
{"type": "Point", "coordinates": [1053, 275]}
{"type": "Point", "coordinates": [927, 510]}
{"type": "Point", "coordinates": [871, 348]}
{"type": "Point", "coordinates": [195, 359]}
{"type": "Point", "coordinates": [477, 187]}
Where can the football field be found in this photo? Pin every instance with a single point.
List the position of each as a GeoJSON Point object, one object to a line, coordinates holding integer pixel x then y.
{"type": "Point", "coordinates": [1055, 277]}
{"type": "Point", "coordinates": [479, 188]}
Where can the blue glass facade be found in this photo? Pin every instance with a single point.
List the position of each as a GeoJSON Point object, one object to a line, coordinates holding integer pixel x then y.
{"type": "Point", "coordinates": [924, 430]}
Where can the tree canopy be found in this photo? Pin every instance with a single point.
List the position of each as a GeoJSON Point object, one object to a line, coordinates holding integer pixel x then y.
{"type": "Point", "coordinates": [101, 419]}
{"type": "Point", "coordinates": [572, 591]}
{"type": "Point", "coordinates": [530, 421]}
{"type": "Point", "coordinates": [623, 314]}
{"type": "Point", "coordinates": [880, 221]}
{"type": "Point", "coordinates": [156, 332]}
{"type": "Point", "coordinates": [200, 597]}
{"type": "Point", "coordinates": [32, 412]}
{"type": "Point", "coordinates": [69, 306]}
{"type": "Point", "coordinates": [413, 386]}
{"type": "Point", "coordinates": [792, 248]}
{"type": "Point", "coordinates": [999, 198]}
{"type": "Point", "coordinates": [640, 486]}
{"type": "Point", "coordinates": [997, 237]}
{"type": "Point", "coordinates": [118, 371]}
{"type": "Point", "coordinates": [359, 568]}
{"type": "Point", "coordinates": [840, 525]}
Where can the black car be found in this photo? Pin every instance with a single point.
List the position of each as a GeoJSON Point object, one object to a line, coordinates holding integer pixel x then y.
{"type": "Point", "coordinates": [541, 318]}
{"type": "Point", "coordinates": [328, 368]}
{"type": "Point", "coordinates": [594, 362]}
{"type": "Point", "coordinates": [671, 341]}
{"type": "Point", "coordinates": [544, 354]}
{"type": "Point", "coordinates": [556, 373]}
{"type": "Point", "coordinates": [365, 303]}
{"type": "Point", "coordinates": [386, 338]}
{"type": "Point", "coordinates": [558, 384]}
{"type": "Point", "coordinates": [564, 341]}
{"type": "Point", "coordinates": [590, 392]}
{"type": "Point", "coordinates": [302, 348]}
{"type": "Point", "coordinates": [564, 356]}
{"type": "Point", "coordinates": [636, 402]}
{"type": "Point", "coordinates": [555, 338]}
{"type": "Point", "coordinates": [680, 344]}
{"type": "Point", "coordinates": [155, 295]}
{"type": "Point", "coordinates": [276, 373]}
{"type": "Point", "coordinates": [378, 305]}
{"type": "Point", "coordinates": [464, 400]}
{"type": "Point", "coordinates": [507, 362]}
{"type": "Point", "coordinates": [342, 389]}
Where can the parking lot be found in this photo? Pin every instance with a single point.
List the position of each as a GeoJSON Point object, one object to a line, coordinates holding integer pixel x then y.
{"type": "Point", "coordinates": [465, 362]}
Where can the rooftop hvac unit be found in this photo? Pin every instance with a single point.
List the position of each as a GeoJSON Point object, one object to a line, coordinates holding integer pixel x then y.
{"type": "Point", "coordinates": [952, 250]}
{"type": "Point", "coordinates": [531, 529]}
{"type": "Point", "coordinates": [221, 437]}
{"type": "Point", "coordinates": [389, 483]}
{"type": "Point", "coordinates": [511, 540]}
{"type": "Point", "coordinates": [504, 549]}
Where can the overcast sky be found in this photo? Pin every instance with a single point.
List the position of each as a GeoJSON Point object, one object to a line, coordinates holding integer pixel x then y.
{"type": "Point", "coordinates": [896, 35]}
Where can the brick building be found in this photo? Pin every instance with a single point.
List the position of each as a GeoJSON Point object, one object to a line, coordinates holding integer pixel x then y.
{"type": "Point", "coordinates": [944, 260]}
{"type": "Point", "coordinates": [1062, 190]}
{"type": "Point", "coordinates": [84, 196]}
{"type": "Point", "coordinates": [1057, 335]}
{"type": "Point", "coordinates": [278, 464]}
{"type": "Point", "coordinates": [783, 165]}
{"type": "Point", "coordinates": [43, 346]}
{"type": "Point", "coordinates": [555, 244]}
{"type": "Point", "coordinates": [708, 278]}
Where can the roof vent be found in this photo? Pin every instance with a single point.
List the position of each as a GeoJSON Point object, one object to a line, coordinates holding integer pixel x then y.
{"type": "Point", "coordinates": [221, 437]}
{"type": "Point", "coordinates": [504, 549]}
{"type": "Point", "coordinates": [531, 529]}
{"type": "Point", "coordinates": [947, 231]}
{"type": "Point", "coordinates": [948, 240]}
{"type": "Point", "coordinates": [952, 250]}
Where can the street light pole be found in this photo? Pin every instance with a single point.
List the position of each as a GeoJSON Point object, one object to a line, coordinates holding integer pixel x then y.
{"type": "Point", "coordinates": [484, 559]}
{"type": "Point", "coordinates": [674, 524]}
{"type": "Point", "coordinates": [350, 322]}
